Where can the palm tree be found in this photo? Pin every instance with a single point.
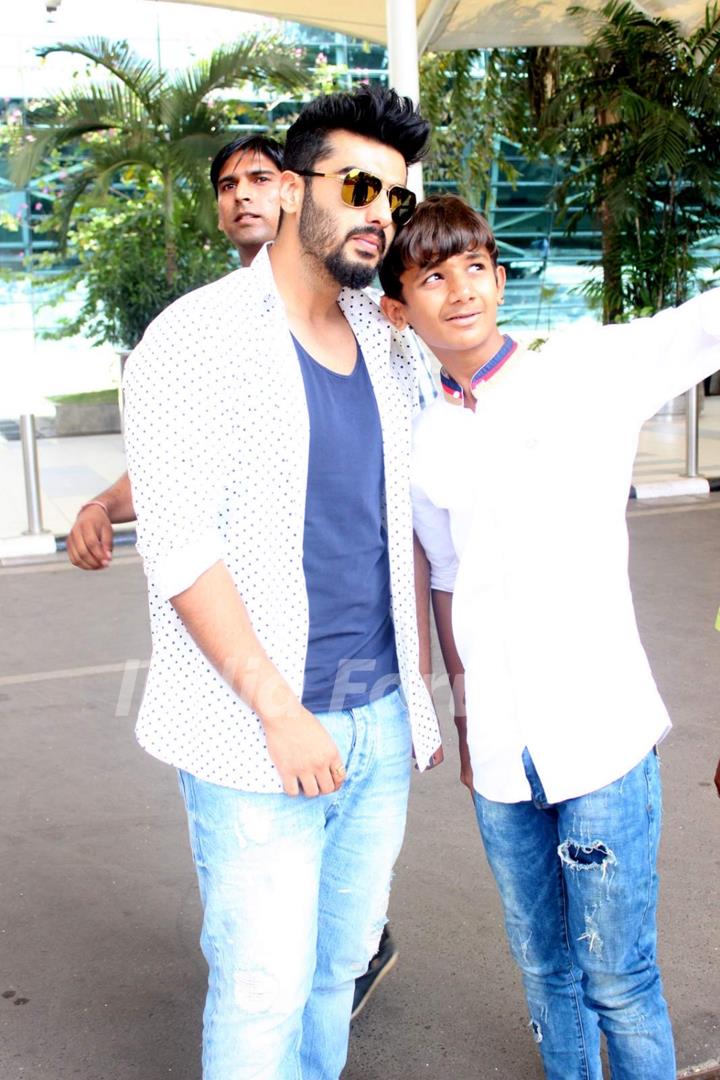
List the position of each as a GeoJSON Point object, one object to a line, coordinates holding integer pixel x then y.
{"type": "Point", "coordinates": [636, 117]}
{"type": "Point", "coordinates": [161, 127]}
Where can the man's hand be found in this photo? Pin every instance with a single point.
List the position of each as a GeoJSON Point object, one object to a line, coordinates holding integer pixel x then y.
{"type": "Point", "coordinates": [717, 779]}
{"type": "Point", "coordinates": [90, 543]}
{"type": "Point", "coordinates": [299, 746]}
{"type": "Point", "coordinates": [437, 758]}
{"type": "Point", "coordinates": [304, 754]}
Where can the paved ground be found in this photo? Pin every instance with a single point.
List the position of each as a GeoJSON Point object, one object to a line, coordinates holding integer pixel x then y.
{"type": "Point", "coordinates": [100, 974]}
{"type": "Point", "coordinates": [75, 469]}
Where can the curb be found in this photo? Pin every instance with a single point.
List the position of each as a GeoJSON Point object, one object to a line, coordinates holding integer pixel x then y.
{"type": "Point", "coordinates": [679, 485]}
{"type": "Point", "coordinates": [709, 1070]}
{"type": "Point", "coordinates": [14, 549]}
{"type": "Point", "coordinates": [27, 546]}
{"type": "Point", "coordinates": [35, 548]}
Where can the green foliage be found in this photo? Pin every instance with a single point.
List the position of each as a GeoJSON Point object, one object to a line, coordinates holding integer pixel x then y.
{"type": "Point", "coordinates": [141, 129]}
{"type": "Point", "coordinates": [92, 397]}
{"type": "Point", "coordinates": [118, 264]}
{"type": "Point", "coordinates": [9, 221]}
{"type": "Point", "coordinates": [462, 95]}
{"type": "Point", "coordinates": [635, 115]}
{"type": "Point", "coordinates": [137, 115]}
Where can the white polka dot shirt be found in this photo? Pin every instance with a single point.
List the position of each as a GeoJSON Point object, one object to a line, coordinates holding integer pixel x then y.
{"type": "Point", "coordinates": [217, 439]}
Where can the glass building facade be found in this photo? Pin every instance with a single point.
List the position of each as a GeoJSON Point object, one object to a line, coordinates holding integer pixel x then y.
{"type": "Point", "coordinates": [544, 267]}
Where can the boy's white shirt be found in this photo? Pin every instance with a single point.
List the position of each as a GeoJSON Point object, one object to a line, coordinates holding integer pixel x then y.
{"type": "Point", "coordinates": [521, 509]}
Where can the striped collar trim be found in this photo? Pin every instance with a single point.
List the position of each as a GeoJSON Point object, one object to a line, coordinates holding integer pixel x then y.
{"type": "Point", "coordinates": [452, 390]}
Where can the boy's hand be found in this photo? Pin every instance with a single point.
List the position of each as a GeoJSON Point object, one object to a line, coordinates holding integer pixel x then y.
{"type": "Point", "coordinates": [466, 773]}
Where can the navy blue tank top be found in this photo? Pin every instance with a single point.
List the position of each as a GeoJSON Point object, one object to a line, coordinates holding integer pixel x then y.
{"type": "Point", "coordinates": [351, 647]}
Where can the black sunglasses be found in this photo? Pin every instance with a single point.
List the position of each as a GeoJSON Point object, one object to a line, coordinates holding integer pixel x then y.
{"type": "Point", "coordinates": [360, 188]}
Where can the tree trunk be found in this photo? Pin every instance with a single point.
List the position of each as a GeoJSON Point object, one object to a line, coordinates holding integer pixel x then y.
{"type": "Point", "coordinates": [543, 67]}
{"type": "Point", "coordinates": [170, 245]}
{"type": "Point", "coordinates": [611, 240]}
{"type": "Point", "coordinates": [611, 265]}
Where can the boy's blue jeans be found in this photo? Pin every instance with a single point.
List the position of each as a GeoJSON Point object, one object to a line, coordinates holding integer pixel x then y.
{"type": "Point", "coordinates": [579, 887]}
{"type": "Point", "coordinates": [295, 894]}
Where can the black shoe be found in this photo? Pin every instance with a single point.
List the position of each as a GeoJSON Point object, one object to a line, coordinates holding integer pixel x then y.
{"type": "Point", "coordinates": [383, 960]}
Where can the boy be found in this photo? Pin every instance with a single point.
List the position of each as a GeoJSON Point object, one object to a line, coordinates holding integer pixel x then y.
{"type": "Point", "coordinates": [528, 550]}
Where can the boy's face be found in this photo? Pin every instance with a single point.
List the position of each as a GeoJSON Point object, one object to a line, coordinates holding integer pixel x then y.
{"type": "Point", "coordinates": [452, 307]}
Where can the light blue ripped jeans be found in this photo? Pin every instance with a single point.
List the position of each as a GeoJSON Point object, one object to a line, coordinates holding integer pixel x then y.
{"type": "Point", "coordinates": [579, 888]}
{"type": "Point", "coordinates": [295, 894]}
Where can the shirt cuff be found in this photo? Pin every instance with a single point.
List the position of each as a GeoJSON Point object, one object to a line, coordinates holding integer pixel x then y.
{"type": "Point", "coordinates": [443, 578]}
{"type": "Point", "coordinates": [173, 573]}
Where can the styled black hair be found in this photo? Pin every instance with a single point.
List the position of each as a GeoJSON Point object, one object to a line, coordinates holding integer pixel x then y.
{"type": "Point", "coordinates": [372, 111]}
{"type": "Point", "coordinates": [442, 226]}
{"type": "Point", "coordinates": [249, 144]}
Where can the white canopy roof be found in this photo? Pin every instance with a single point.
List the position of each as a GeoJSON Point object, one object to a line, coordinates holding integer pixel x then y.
{"type": "Point", "coordinates": [408, 27]}
{"type": "Point", "coordinates": [456, 24]}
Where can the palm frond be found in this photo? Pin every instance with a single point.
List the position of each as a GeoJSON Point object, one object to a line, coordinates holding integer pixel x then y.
{"type": "Point", "coordinates": [665, 143]}
{"type": "Point", "coordinates": [78, 114]}
{"type": "Point", "coordinates": [75, 188]}
{"type": "Point", "coordinates": [196, 149]}
{"type": "Point", "coordinates": [109, 105]}
{"type": "Point", "coordinates": [25, 162]}
{"type": "Point", "coordinates": [140, 76]}
{"type": "Point", "coordinates": [257, 59]}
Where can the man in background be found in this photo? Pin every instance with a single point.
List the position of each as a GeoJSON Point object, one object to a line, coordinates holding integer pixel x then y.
{"type": "Point", "coordinates": [245, 175]}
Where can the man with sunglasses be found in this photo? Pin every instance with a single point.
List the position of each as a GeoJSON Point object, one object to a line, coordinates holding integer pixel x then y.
{"type": "Point", "coordinates": [268, 435]}
{"type": "Point", "coordinates": [245, 175]}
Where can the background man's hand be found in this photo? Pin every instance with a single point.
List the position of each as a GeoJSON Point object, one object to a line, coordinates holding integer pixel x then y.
{"type": "Point", "coordinates": [304, 754]}
{"type": "Point", "coordinates": [90, 543]}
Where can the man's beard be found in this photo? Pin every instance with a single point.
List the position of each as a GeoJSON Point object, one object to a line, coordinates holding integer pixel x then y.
{"type": "Point", "coordinates": [317, 233]}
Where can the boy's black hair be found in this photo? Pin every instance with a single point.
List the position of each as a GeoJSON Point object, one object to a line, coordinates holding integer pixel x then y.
{"type": "Point", "coordinates": [248, 144]}
{"type": "Point", "coordinates": [442, 226]}
{"type": "Point", "coordinates": [372, 111]}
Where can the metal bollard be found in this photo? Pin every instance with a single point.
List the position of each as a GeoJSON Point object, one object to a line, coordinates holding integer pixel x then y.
{"type": "Point", "coordinates": [692, 431]}
{"type": "Point", "coordinates": [32, 476]}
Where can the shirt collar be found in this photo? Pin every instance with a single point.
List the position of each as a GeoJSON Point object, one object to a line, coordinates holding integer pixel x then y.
{"type": "Point", "coordinates": [453, 392]}
{"type": "Point", "coordinates": [354, 303]}
{"type": "Point", "coordinates": [262, 272]}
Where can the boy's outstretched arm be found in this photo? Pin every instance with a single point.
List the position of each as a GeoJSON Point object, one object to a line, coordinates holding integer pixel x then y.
{"type": "Point", "coordinates": [442, 608]}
